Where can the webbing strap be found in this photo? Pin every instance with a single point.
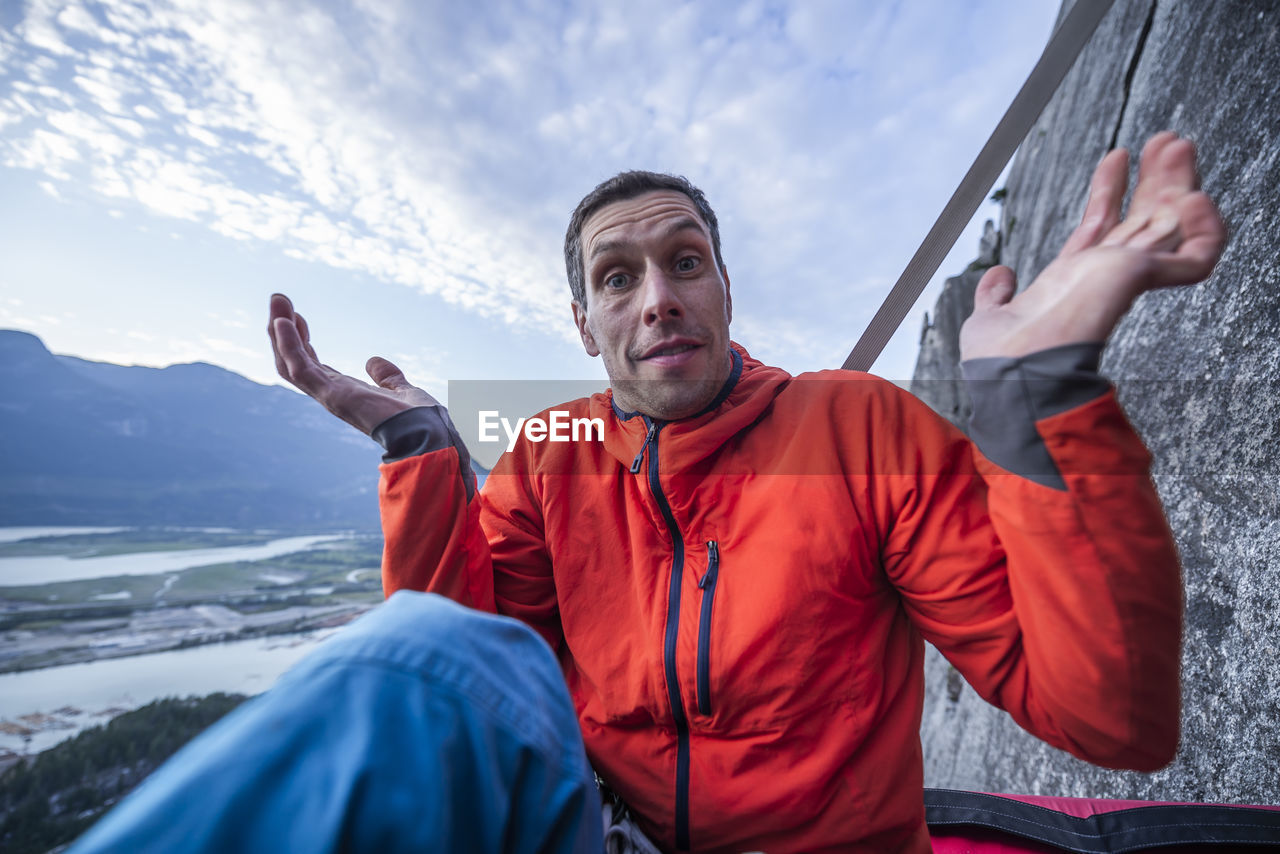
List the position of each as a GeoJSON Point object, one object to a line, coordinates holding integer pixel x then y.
{"type": "Point", "coordinates": [1059, 54]}
{"type": "Point", "coordinates": [1209, 827]}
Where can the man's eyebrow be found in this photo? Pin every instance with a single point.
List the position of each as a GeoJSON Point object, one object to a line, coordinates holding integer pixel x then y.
{"type": "Point", "coordinates": [682, 224]}
{"type": "Point", "coordinates": [601, 248]}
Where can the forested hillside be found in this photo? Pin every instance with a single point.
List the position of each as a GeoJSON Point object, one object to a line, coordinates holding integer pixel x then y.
{"type": "Point", "coordinates": [56, 797]}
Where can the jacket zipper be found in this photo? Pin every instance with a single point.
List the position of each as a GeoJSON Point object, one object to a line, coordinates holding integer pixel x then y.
{"type": "Point", "coordinates": [649, 437]}
{"type": "Point", "coordinates": [708, 587]}
{"type": "Point", "coordinates": [672, 630]}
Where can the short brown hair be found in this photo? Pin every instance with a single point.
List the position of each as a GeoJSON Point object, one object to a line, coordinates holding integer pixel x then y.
{"type": "Point", "coordinates": [620, 188]}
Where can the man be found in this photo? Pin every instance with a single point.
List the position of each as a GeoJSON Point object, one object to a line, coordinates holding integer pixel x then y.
{"type": "Point", "coordinates": [737, 578]}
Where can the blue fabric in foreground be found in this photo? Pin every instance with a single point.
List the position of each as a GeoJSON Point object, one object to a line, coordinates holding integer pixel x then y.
{"type": "Point", "coordinates": [424, 726]}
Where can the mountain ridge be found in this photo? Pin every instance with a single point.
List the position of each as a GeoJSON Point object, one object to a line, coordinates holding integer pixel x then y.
{"type": "Point", "coordinates": [85, 442]}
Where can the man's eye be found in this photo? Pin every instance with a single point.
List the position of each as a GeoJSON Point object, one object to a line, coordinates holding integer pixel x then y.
{"type": "Point", "coordinates": [618, 280]}
{"type": "Point", "coordinates": [687, 264]}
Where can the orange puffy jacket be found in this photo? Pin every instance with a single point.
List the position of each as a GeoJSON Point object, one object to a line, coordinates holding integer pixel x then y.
{"type": "Point", "coordinates": [740, 599]}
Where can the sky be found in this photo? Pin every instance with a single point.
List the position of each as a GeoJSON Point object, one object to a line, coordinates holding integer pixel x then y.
{"type": "Point", "coordinates": [404, 170]}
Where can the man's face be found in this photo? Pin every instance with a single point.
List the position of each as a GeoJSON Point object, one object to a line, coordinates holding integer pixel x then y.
{"type": "Point", "coordinates": [658, 306]}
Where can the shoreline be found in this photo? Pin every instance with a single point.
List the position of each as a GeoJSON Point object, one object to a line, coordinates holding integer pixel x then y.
{"type": "Point", "coordinates": [23, 652]}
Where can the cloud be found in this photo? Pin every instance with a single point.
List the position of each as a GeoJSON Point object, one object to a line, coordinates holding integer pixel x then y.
{"type": "Point", "coordinates": [442, 145]}
{"type": "Point", "coordinates": [223, 347]}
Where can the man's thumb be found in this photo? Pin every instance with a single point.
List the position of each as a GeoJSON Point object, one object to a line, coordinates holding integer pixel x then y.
{"type": "Point", "coordinates": [385, 374]}
{"type": "Point", "coordinates": [995, 288]}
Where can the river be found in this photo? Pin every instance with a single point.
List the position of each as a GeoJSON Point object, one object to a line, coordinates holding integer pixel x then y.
{"type": "Point", "coordinates": [10, 534]}
{"type": "Point", "coordinates": [39, 708]}
{"type": "Point", "coordinates": [49, 568]}
{"type": "Point", "coordinates": [65, 700]}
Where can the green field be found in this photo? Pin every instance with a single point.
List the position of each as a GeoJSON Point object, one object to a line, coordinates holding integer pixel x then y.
{"type": "Point", "coordinates": [343, 570]}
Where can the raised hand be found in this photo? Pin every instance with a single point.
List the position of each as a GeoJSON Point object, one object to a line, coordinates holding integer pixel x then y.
{"type": "Point", "coordinates": [361, 405]}
{"type": "Point", "coordinates": [1172, 235]}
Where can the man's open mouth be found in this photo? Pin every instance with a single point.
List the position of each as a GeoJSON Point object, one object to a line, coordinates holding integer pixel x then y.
{"type": "Point", "coordinates": [673, 349]}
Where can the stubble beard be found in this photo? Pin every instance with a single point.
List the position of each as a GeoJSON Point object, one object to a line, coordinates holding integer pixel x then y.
{"type": "Point", "coordinates": [666, 400]}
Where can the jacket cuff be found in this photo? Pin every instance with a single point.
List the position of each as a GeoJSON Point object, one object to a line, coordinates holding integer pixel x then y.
{"type": "Point", "coordinates": [421, 430]}
{"type": "Point", "coordinates": [1011, 394]}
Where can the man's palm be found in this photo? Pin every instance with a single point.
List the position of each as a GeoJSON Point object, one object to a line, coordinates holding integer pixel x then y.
{"type": "Point", "coordinates": [1172, 235]}
{"type": "Point", "coordinates": [358, 403]}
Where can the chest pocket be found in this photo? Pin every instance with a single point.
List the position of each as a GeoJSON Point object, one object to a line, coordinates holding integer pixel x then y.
{"type": "Point", "coordinates": [793, 610]}
{"type": "Point", "coordinates": [708, 587]}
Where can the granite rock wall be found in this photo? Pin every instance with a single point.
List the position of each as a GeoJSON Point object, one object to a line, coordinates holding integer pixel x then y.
{"type": "Point", "coordinates": [1198, 371]}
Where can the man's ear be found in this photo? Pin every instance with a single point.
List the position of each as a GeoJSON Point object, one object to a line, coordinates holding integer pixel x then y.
{"type": "Point", "coordinates": [580, 320]}
{"type": "Point", "coordinates": [728, 298]}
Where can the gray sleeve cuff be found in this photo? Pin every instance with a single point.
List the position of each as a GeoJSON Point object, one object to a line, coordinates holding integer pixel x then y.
{"type": "Point", "coordinates": [421, 430]}
{"type": "Point", "coordinates": [1010, 395]}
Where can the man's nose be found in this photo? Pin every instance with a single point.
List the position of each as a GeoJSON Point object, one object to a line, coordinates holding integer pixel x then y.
{"type": "Point", "coordinates": [661, 297]}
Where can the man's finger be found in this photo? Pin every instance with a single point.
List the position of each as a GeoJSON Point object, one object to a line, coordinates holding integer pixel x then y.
{"type": "Point", "coordinates": [995, 288]}
{"type": "Point", "coordinates": [279, 307]}
{"type": "Point", "coordinates": [385, 374]}
{"type": "Point", "coordinates": [299, 368]}
{"type": "Point", "coordinates": [275, 349]}
{"type": "Point", "coordinates": [1150, 154]}
{"type": "Point", "coordinates": [1167, 170]}
{"type": "Point", "coordinates": [1203, 237]}
{"type": "Point", "coordinates": [1125, 232]}
{"type": "Point", "coordinates": [1106, 194]}
{"type": "Point", "coordinates": [1192, 263]}
{"type": "Point", "coordinates": [304, 332]}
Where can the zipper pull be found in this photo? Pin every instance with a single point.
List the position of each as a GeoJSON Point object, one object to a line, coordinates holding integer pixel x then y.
{"type": "Point", "coordinates": [713, 564]}
{"type": "Point", "coordinates": [639, 460]}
